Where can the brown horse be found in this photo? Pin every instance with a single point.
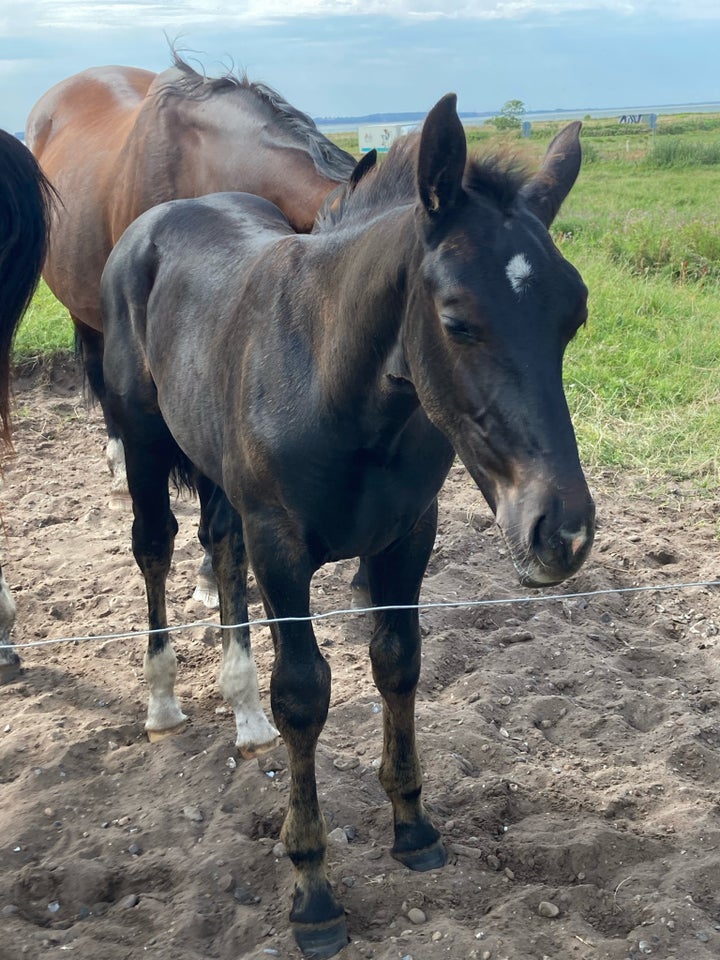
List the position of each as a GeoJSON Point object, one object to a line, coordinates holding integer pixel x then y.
{"type": "Point", "coordinates": [25, 202]}
{"type": "Point", "coordinates": [116, 141]}
{"type": "Point", "coordinates": [316, 390]}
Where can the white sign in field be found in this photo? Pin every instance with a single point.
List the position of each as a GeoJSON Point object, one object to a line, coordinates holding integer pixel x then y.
{"type": "Point", "coordinates": [379, 136]}
{"type": "Point", "coordinates": [649, 118]}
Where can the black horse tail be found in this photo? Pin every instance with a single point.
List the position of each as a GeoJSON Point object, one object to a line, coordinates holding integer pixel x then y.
{"type": "Point", "coordinates": [26, 200]}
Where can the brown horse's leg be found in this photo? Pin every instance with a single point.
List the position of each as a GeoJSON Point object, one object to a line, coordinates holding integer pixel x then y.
{"type": "Point", "coordinates": [9, 660]}
{"type": "Point", "coordinates": [92, 345]}
{"type": "Point", "coordinates": [360, 587]}
{"type": "Point", "coordinates": [238, 675]}
{"type": "Point", "coordinates": [300, 693]}
{"type": "Point", "coordinates": [395, 578]}
{"type": "Point", "coordinates": [206, 588]}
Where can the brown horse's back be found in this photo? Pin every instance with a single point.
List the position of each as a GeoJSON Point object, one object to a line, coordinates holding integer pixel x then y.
{"type": "Point", "coordinates": [77, 131]}
{"type": "Point", "coordinates": [116, 141]}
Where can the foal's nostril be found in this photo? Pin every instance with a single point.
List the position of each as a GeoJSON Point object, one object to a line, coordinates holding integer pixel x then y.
{"type": "Point", "coordinates": [548, 538]}
{"type": "Point", "coordinates": [560, 546]}
{"type": "Point", "coordinates": [538, 537]}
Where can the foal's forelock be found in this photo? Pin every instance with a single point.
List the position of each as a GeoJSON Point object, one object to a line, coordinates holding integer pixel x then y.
{"type": "Point", "coordinates": [390, 183]}
{"type": "Point", "coordinates": [497, 178]}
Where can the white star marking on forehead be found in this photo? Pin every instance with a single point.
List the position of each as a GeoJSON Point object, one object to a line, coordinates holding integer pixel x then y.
{"type": "Point", "coordinates": [518, 271]}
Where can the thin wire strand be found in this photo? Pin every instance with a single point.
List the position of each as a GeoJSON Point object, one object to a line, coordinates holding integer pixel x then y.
{"type": "Point", "coordinates": [439, 604]}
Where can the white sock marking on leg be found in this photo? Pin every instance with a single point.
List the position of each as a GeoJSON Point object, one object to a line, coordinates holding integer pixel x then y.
{"type": "Point", "coordinates": [164, 711]}
{"type": "Point", "coordinates": [239, 686]}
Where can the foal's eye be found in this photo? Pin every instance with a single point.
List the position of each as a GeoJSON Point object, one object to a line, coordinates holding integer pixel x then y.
{"type": "Point", "coordinates": [457, 329]}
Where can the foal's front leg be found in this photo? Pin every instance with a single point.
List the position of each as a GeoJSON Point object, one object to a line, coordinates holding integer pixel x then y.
{"type": "Point", "coordinates": [300, 694]}
{"type": "Point", "coordinates": [395, 577]}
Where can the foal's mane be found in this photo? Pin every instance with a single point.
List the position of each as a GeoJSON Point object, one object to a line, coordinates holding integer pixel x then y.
{"type": "Point", "coordinates": [392, 182]}
{"type": "Point", "coordinates": [329, 159]}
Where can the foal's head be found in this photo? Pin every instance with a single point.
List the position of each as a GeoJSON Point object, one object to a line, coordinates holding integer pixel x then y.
{"type": "Point", "coordinates": [489, 315]}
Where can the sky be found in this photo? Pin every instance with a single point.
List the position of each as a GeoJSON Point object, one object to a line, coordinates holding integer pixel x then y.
{"type": "Point", "coordinates": [353, 57]}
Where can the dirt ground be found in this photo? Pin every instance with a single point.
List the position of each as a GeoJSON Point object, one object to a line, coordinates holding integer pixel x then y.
{"type": "Point", "coordinates": [571, 748]}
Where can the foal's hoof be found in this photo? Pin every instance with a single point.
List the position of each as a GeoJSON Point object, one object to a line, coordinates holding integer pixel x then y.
{"type": "Point", "coordinates": [321, 940]}
{"type": "Point", "coordinates": [429, 858]}
{"type": "Point", "coordinates": [250, 751]}
{"type": "Point", "coordinates": [157, 736]}
{"type": "Point", "coordinates": [255, 734]}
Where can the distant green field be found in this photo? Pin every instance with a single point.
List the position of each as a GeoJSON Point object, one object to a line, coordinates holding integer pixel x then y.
{"type": "Point", "coordinates": [643, 227]}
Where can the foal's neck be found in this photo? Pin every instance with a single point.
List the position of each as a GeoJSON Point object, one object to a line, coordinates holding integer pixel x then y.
{"type": "Point", "coordinates": [372, 269]}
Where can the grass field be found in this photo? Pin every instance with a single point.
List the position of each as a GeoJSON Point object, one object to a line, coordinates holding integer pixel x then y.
{"type": "Point", "coordinates": [644, 377]}
{"type": "Point", "coordinates": [643, 227]}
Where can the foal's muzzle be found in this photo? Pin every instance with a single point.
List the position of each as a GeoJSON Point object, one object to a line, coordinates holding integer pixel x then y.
{"type": "Point", "coordinates": [549, 531]}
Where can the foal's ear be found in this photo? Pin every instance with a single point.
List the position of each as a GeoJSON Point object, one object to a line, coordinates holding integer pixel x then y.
{"type": "Point", "coordinates": [545, 192]}
{"type": "Point", "coordinates": [441, 158]}
{"type": "Point", "coordinates": [366, 162]}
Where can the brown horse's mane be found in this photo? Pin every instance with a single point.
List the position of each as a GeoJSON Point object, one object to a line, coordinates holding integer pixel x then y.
{"type": "Point", "coordinates": [392, 182]}
{"type": "Point", "coordinates": [329, 159]}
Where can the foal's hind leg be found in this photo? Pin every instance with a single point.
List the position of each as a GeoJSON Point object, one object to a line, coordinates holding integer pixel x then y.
{"type": "Point", "coordinates": [151, 453]}
{"type": "Point", "coordinates": [238, 675]}
{"type": "Point", "coordinates": [395, 577]}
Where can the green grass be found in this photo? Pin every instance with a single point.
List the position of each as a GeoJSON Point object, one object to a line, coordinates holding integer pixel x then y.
{"type": "Point", "coordinates": [643, 378]}
{"type": "Point", "coordinates": [347, 140]}
{"type": "Point", "coordinates": [642, 225]}
{"type": "Point", "coordinates": [682, 152]}
{"type": "Point", "coordinates": [45, 331]}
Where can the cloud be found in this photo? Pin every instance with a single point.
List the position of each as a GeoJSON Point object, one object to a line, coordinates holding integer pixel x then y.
{"type": "Point", "coordinates": [94, 15]}
{"type": "Point", "coordinates": [352, 57]}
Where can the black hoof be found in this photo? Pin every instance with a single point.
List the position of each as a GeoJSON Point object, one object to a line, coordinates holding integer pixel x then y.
{"type": "Point", "coordinates": [429, 858]}
{"type": "Point", "coordinates": [321, 940]}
